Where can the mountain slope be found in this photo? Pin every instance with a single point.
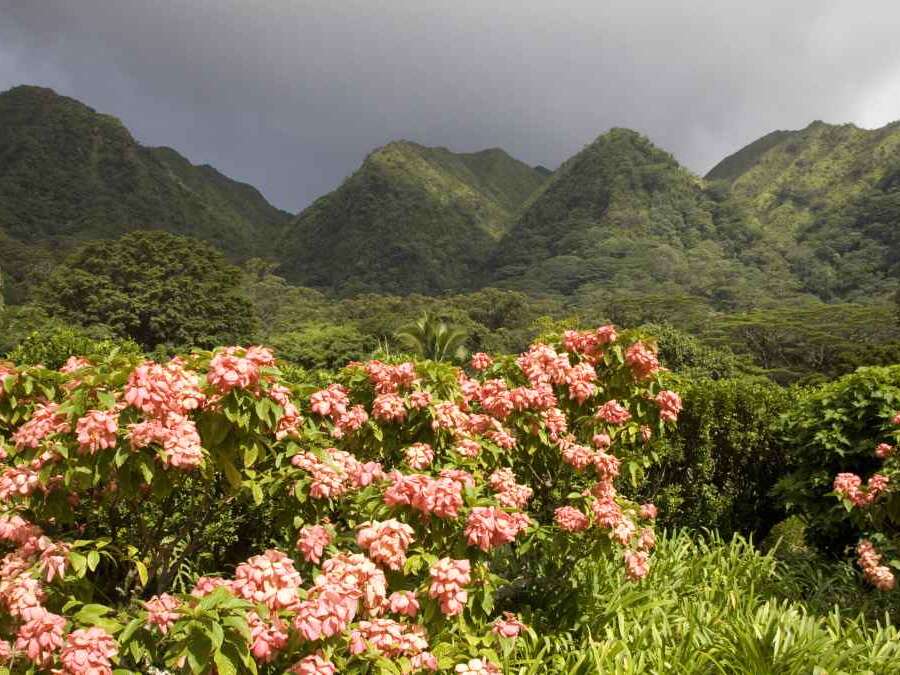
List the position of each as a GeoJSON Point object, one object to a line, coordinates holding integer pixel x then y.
{"type": "Point", "coordinates": [623, 214]}
{"type": "Point", "coordinates": [68, 172]}
{"type": "Point", "coordinates": [411, 219]}
{"type": "Point", "coordinates": [833, 192]}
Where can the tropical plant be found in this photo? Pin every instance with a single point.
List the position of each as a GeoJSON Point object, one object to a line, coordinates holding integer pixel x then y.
{"type": "Point", "coordinates": [431, 338]}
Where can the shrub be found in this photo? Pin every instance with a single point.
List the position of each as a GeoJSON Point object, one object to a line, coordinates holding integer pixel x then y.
{"type": "Point", "coordinates": [364, 525]}
{"type": "Point", "coordinates": [718, 467]}
{"type": "Point", "coordinates": [835, 429]}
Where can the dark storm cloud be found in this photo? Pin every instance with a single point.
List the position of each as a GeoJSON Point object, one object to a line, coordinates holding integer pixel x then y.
{"type": "Point", "coordinates": [290, 94]}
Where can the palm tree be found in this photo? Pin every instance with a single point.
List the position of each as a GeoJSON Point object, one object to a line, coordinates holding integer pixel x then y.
{"type": "Point", "coordinates": [432, 338]}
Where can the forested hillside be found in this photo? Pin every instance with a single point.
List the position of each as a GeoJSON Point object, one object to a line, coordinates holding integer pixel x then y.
{"type": "Point", "coordinates": [68, 172]}
{"type": "Point", "coordinates": [411, 219]}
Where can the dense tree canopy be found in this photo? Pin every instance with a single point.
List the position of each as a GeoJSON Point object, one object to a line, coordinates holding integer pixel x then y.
{"type": "Point", "coordinates": [153, 287]}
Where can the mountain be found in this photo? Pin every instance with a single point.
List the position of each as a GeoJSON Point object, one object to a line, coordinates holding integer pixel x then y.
{"type": "Point", "coordinates": [623, 214]}
{"type": "Point", "coordinates": [68, 172]}
{"type": "Point", "coordinates": [411, 219]}
{"type": "Point", "coordinates": [832, 193]}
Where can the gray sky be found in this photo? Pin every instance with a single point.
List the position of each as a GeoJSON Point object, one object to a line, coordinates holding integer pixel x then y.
{"type": "Point", "coordinates": [290, 95]}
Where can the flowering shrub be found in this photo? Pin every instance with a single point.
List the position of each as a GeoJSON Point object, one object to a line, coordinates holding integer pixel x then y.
{"type": "Point", "coordinates": [396, 505]}
{"type": "Point", "coordinates": [846, 480]}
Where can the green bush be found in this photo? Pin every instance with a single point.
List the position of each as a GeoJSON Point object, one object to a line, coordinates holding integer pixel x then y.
{"type": "Point", "coordinates": [832, 429]}
{"type": "Point", "coordinates": [723, 458]}
{"type": "Point", "coordinates": [53, 346]}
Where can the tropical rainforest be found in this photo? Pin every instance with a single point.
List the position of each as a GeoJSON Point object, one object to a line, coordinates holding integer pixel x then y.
{"type": "Point", "coordinates": [614, 417]}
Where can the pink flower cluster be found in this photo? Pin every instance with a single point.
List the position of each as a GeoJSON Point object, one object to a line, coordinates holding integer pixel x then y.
{"type": "Point", "coordinates": [441, 497]}
{"type": "Point", "coordinates": [97, 431]}
{"type": "Point", "coordinates": [636, 565]}
{"type": "Point", "coordinates": [480, 361]}
{"type": "Point", "coordinates": [477, 667]}
{"type": "Point", "coordinates": [289, 422]}
{"type": "Point", "coordinates": [314, 664]}
{"type": "Point", "coordinates": [45, 421]}
{"type": "Point", "coordinates": [669, 405]}
{"type": "Point", "coordinates": [312, 542]}
{"type": "Point", "coordinates": [419, 456]}
{"type": "Point", "coordinates": [389, 379]}
{"type": "Point", "coordinates": [642, 360]}
{"type": "Point", "coordinates": [884, 450]}
{"type": "Point", "coordinates": [269, 578]}
{"type": "Point", "coordinates": [880, 576]}
{"type": "Point", "coordinates": [337, 473]}
{"type": "Point", "coordinates": [158, 390]}
{"type": "Point", "coordinates": [570, 519]}
{"type": "Point", "coordinates": [176, 434]}
{"type": "Point", "coordinates": [448, 581]}
{"type": "Point", "coordinates": [488, 527]}
{"type": "Point", "coordinates": [508, 626]}
{"type": "Point", "coordinates": [237, 368]}
{"type": "Point", "coordinates": [613, 412]}
{"type": "Point", "coordinates": [267, 638]}
{"type": "Point", "coordinates": [386, 542]}
{"type": "Point", "coordinates": [849, 485]}
{"type": "Point", "coordinates": [388, 637]}
{"type": "Point", "coordinates": [88, 651]}
{"type": "Point", "coordinates": [162, 611]}
{"type": "Point", "coordinates": [334, 403]}
{"type": "Point", "coordinates": [589, 343]}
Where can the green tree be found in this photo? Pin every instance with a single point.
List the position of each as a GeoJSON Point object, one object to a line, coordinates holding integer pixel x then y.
{"type": "Point", "coordinates": [153, 287]}
{"type": "Point", "coordinates": [433, 339]}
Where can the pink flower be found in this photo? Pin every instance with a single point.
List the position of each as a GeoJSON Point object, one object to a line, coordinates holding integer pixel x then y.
{"type": "Point", "coordinates": [267, 638]}
{"type": "Point", "coordinates": [18, 482]}
{"type": "Point", "coordinates": [206, 585]}
{"type": "Point", "coordinates": [448, 579]}
{"type": "Point", "coordinates": [570, 519]}
{"type": "Point", "coordinates": [419, 456]}
{"type": "Point", "coordinates": [509, 626]}
{"type": "Point", "coordinates": [88, 652]}
{"type": "Point", "coordinates": [580, 379]}
{"type": "Point", "coordinates": [647, 539]}
{"type": "Point", "coordinates": [555, 421]}
{"type": "Point", "coordinates": [229, 370]}
{"type": "Point", "coordinates": [669, 405]}
{"type": "Point", "coordinates": [477, 667]}
{"type": "Point", "coordinates": [74, 364]}
{"type": "Point", "coordinates": [876, 574]}
{"type": "Point", "coordinates": [45, 421]}
{"type": "Point", "coordinates": [601, 441]}
{"type": "Point", "coordinates": [642, 360]}
{"type": "Point", "coordinates": [488, 527]}
{"type": "Point", "coordinates": [607, 465]}
{"type": "Point", "coordinates": [314, 664]}
{"type": "Point", "coordinates": [424, 661]}
{"type": "Point", "coordinates": [404, 602]}
{"type": "Point", "coordinates": [158, 390]}
{"type": "Point", "coordinates": [162, 611]}
{"type": "Point", "coordinates": [387, 637]}
{"type": "Point", "coordinates": [884, 450]}
{"type": "Point", "coordinates": [481, 361]}
{"type": "Point", "coordinates": [636, 565]}
{"type": "Point", "coordinates": [54, 558]}
{"type": "Point", "coordinates": [467, 447]}
{"type": "Point", "coordinates": [648, 511]}
{"type": "Point", "coordinates": [386, 542]}
{"type": "Point", "coordinates": [312, 542]}
{"type": "Point", "coordinates": [269, 579]}
{"type": "Point", "coordinates": [606, 512]}
{"type": "Point", "coordinates": [388, 408]}
{"type": "Point", "coordinates": [577, 456]}
{"type": "Point", "coordinates": [613, 412]}
{"type": "Point", "coordinates": [419, 399]}
{"type": "Point", "coordinates": [97, 431]}
{"type": "Point", "coordinates": [41, 637]}
{"type": "Point", "coordinates": [331, 402]}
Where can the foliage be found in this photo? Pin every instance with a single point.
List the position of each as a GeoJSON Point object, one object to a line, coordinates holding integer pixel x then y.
{"type": "Point", "coordinates": [710, 606]}
{"type": "Point", "coordinates": [718, 467]}
{"type": "Point", "coordinates": [189, 296]}
{"type": "Point", "coordinates": [836, 429]}
{"type": "Point", "coordinates": [431, 338]}
{"type": "Point", "coordinates": [126, 481]}
{"type": "Point", "coordinates": [319, 346]}
{"type": "Point", "coordinates": [51, 348]}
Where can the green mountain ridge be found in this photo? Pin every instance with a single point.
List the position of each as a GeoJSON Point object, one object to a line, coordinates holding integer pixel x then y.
{"type": "Point", "coordinates": [830, 193]}
{"type": "Point", "coordinates": [410, 219]}
{"type": "Point", "coordinates": [68, 172]}
{"type": "Point", "coordinates": [623, 214]}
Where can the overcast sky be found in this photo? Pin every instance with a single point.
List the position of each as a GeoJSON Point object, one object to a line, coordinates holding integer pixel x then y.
{"type": "Point", "coordinates": [290, 95]}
